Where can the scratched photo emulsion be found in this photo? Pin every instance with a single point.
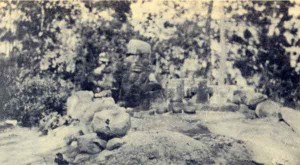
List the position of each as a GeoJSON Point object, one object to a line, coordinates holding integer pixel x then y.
{"type": "Point", "coordinates": [149, 82]}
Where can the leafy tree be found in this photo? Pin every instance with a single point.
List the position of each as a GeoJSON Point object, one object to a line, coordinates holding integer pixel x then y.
{"type": "Point", "coordinates": [262, 47]}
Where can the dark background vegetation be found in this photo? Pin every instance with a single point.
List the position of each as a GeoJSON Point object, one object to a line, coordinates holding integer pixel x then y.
{"type": "Point", "coordinates": [28, 85]}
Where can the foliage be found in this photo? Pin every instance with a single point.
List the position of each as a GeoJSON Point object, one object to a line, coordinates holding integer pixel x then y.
{"type": "Point", "coordinates": [38, 95]}
{"type": "Point", "coordinates": [56, 45]}
{"type": "Point", "coordinates": [52, 121]}
{"type": "Point", "coordinates": [59, 52]}
{"type": "Point", "coordinates": [263, 48]}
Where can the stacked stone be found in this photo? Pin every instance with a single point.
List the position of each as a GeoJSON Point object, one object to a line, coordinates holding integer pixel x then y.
{"type": "Point", "coordinates": [175, 94]}
{"type": "Point", "coordinates": [102, 124]}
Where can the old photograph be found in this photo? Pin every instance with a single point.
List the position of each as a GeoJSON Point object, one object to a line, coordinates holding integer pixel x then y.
{"type": "Point", "coordinates": [149, 82]}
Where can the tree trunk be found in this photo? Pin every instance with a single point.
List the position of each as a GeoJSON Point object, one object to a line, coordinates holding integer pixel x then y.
{"type": "Point", "coordinates": [208, 48]}
{"type": "Point", "coordinates": [42, 16]}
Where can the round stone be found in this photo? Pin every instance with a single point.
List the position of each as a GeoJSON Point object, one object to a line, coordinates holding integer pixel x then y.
{"type": "Point", "coordinates": [111, 123]}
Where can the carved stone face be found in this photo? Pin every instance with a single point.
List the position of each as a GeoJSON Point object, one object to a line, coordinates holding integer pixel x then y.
{"type": "Point", "coordinates": [136, 63]}
{"type": "Point", "coordinates": [134, 73]}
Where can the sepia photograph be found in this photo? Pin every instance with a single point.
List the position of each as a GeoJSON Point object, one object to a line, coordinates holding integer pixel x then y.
{"type": "Point", "coordinates": [149, 82]}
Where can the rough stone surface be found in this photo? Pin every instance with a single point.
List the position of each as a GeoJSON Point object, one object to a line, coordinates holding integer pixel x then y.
{"type": "Point", "coordinates": [84, 111]}
{"type": "Point", "coordinates": [77, 103]}
{"type": "Point", "coordinates": [90, 144]}
{"type": "Point", "coordinates": [165, 147]}
{"type": "Point", "coordinates": [159, 148]}
{"type": "Point", "coordinates": [270, 141]}
{"type": "Point", "coordinates": [267, 108]}
{"type": "Point", "coordinates": [277, 144]}
{"type": "Point", "coordinates": [225, 149]}
{"type": "Point", "coordinates": [99, 105]}
{"type": "Point", "coordinates": [114, 143]}
{"type": "Point", "coordinates": [292, 117]}
{"type": "Point", "coordinates": [84, 96]}
{"type": "Point", "coordinates": [111, 123]}
{"type": "Point", "coordinates": [182, 123]}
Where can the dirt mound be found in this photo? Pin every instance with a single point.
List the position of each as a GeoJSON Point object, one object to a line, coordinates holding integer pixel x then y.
{"type": "Point", "coordinates": [170, 139]}
{"type": "Point", "coordinates": [163, 147]}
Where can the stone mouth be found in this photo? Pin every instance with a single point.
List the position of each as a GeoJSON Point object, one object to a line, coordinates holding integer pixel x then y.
{"type": "Point", "coordinates": [137, 68]}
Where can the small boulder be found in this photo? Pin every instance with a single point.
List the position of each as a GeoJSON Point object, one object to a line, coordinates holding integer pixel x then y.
{"type": "Point", "coordinates": [59, 159]}
{"type": "Point", "coordinates": [239, 96]}
{"type": "Point", "coordinates": [159, 106]}
{"type": "Point", "coordinates": [189, 108]}
{"type": "Point", "coordinates": [236, 99]}
{"type": "Point", "coordinates": [114, 143]}
{"type": "Point", "coordinates": [253, 99]}
{"type": "Point", "coordinates": [4, 126]}
{"type": "Point", "coordinates": [72, 150]}
{"type": "Point", "coordinates": [176, 107]}
{"type": "Point", "coordinates": [90, 144]}
{"type": "Point", "coordinates": [96, 106]}
{"type": "Point", "coordinates": [249, 114]}
{"type": "Point", "coordinates": [248, 97]}
{"type": "Point", "coordinates": [130, 111]}
{"type": "Point", "coordinates": [244, 108]}
{"type": "Point", "coordinates": [111, 123]}
{"type": "Point", "coordinates": [267, 108]}
{"type": "Point", "coordinates": [82, 106]}
{"type": "Point", "coordinates": [151, 112]}
{"type": "Point", "coordinates": [77, 103]}
{"type": "Point", "coordinates": [81, 158]}
{"type": "Point", "coordinates": [11, 122]}
{"type": "Point", "coordinates": [162, 110]}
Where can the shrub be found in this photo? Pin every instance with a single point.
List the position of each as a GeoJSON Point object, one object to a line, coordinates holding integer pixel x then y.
{"type": "Point", "coordinates": [36, 95]}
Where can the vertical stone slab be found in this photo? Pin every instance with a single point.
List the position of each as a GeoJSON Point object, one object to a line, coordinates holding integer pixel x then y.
{"type": "Point", "coordinates": [175, 90]}
{"type": "Point", "coordinates": [202, 95]}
